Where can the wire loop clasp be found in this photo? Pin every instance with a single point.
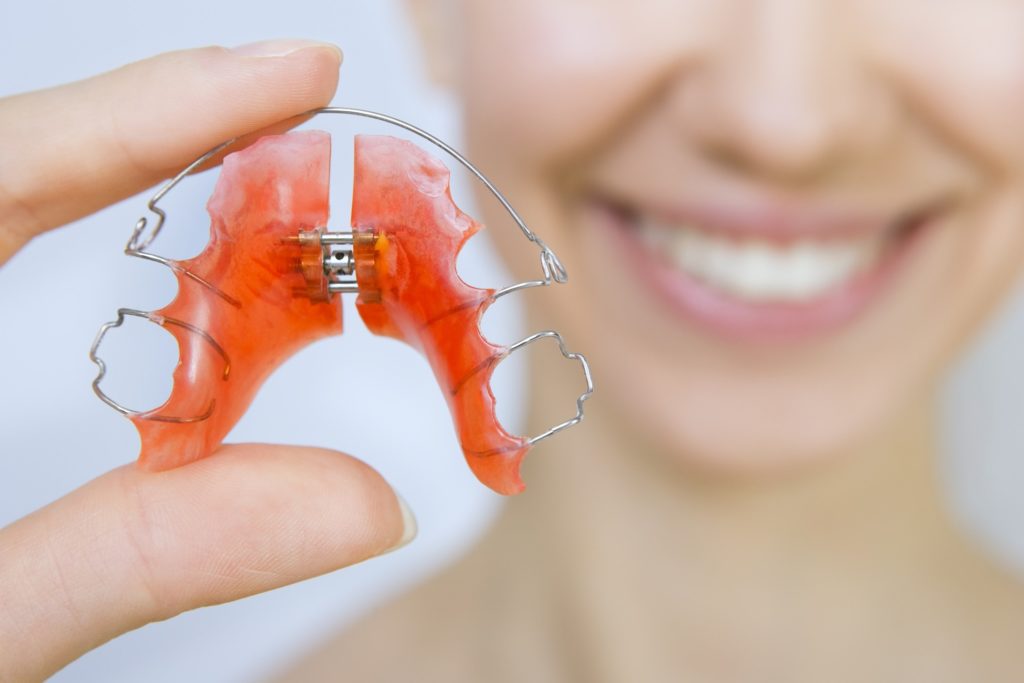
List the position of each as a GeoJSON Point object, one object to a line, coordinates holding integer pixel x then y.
{"type": "Point", "coordinates": [162, 321]}
{"type": "Point", "coordinates": [570, 355]}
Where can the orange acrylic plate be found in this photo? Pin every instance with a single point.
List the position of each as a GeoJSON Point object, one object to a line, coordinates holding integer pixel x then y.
{"type": "Point", "coordinates": [408, 235]}
{"type": "Point", "coordinates": [241, 308]}
{"type": "Point", "coordinates": [244, 305]}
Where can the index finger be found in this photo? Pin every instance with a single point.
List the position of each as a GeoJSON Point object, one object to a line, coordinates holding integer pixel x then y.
{"type": "Point", "coordinates": [71, 150]}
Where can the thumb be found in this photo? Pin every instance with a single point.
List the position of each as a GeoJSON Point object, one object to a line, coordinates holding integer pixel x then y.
{"type": "Point", "coordinates": [73, 149]}
{"type": "Point", "coordinates": [132, 547]}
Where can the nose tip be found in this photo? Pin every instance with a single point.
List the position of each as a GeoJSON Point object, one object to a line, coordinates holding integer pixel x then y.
{"type": "Point", "coordinates": [772, 133]}
{"type": "Point", "coordinates": [774, 98]}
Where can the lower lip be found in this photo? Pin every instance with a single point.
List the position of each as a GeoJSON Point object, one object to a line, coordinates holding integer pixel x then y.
{"type": "Point", "coordinates": [750, 322]}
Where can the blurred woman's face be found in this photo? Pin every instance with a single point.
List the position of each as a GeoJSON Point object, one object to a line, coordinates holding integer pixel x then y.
{"type": "Point", "coordinates": [781, 218]}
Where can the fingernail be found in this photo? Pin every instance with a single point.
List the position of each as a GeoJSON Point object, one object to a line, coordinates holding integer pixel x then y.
{"type": "Point", "coordinates": [409, 526]}
{"type": "Point", "coordinates": [280, 48]}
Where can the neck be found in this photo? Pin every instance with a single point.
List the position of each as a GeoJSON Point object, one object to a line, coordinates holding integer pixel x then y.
{"type": "Point", "coordinates": [735, 566]}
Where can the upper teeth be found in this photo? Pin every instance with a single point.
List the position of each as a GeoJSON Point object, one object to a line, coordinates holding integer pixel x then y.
{"type": "Point", "coordinates": [759, 270]}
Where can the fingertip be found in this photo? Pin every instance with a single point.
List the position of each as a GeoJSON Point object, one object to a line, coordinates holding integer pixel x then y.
{"type": "Point", "coordinates": [410, 527]}
{"type": "Point", "coordinates": [302, 512]}
{"type": "Point", "coordinates": [306, 71]}
{"type": "Point", "coordinates": [232, 91]}
{"type": "Point", "coordinates": [295, 53]}
{"type": "Point", "coordinates": [284, 48]}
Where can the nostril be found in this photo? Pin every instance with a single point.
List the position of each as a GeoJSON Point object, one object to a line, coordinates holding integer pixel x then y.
{"type": "Point", "coordinates": [776, 146]}
{"type": "Point", "coordinates": [727, 159]}
{"type": "Point", "coordinates": [769, 120]}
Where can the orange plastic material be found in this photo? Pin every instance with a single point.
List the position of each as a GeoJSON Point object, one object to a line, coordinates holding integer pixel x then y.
{"type": "Point", "coordinates": [254, 312]}
{"type": "Point", "coordinates": [408, 235]}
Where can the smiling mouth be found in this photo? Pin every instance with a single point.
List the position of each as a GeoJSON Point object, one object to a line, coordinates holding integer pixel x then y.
{"type": "Point", "coordinates": [760, 271]}
{"type": "Point", "coordinates": [762, 274]}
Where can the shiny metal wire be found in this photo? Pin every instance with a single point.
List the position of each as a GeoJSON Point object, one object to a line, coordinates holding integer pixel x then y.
{"type": "Point", "coordinates": [551, 266]}
{"type": "Point", "coordinates": [570, 355]}
{"type": "Point", "coordinates": [552, 270]}
{"type": "Point", "coordinates": [162, 321]}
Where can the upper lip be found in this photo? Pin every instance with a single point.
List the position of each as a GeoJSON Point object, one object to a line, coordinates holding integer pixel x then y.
{"type": "Point", "coordinates": [772, 220]}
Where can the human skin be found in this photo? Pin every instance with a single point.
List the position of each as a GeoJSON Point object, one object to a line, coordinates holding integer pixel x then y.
{"type": "Point", "coordinates": [131, 547]}
{"type": "Point", "coordinates": [741, 504]}
{"type": "Point", "coordinates": [801, 104]}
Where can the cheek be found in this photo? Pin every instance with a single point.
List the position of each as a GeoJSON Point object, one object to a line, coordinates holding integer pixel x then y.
{"type": "Point", "coordinates": [972, 90]}
{"type": "Point", "coordinates": [544, 79]}
{"type": "Point", "coordinates": [991, 253]}
{"type": "Point", "coordinates": [544, 82]}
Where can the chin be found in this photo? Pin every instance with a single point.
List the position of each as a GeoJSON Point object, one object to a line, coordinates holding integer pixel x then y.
{"type": "Point", "coordinates": [757, 447]}
{"type": "Point", "coordinates": [727, 425]}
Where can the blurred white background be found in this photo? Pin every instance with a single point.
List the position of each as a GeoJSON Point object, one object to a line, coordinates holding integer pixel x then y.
{"type": "Point", "coordinates": [347, 393]}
